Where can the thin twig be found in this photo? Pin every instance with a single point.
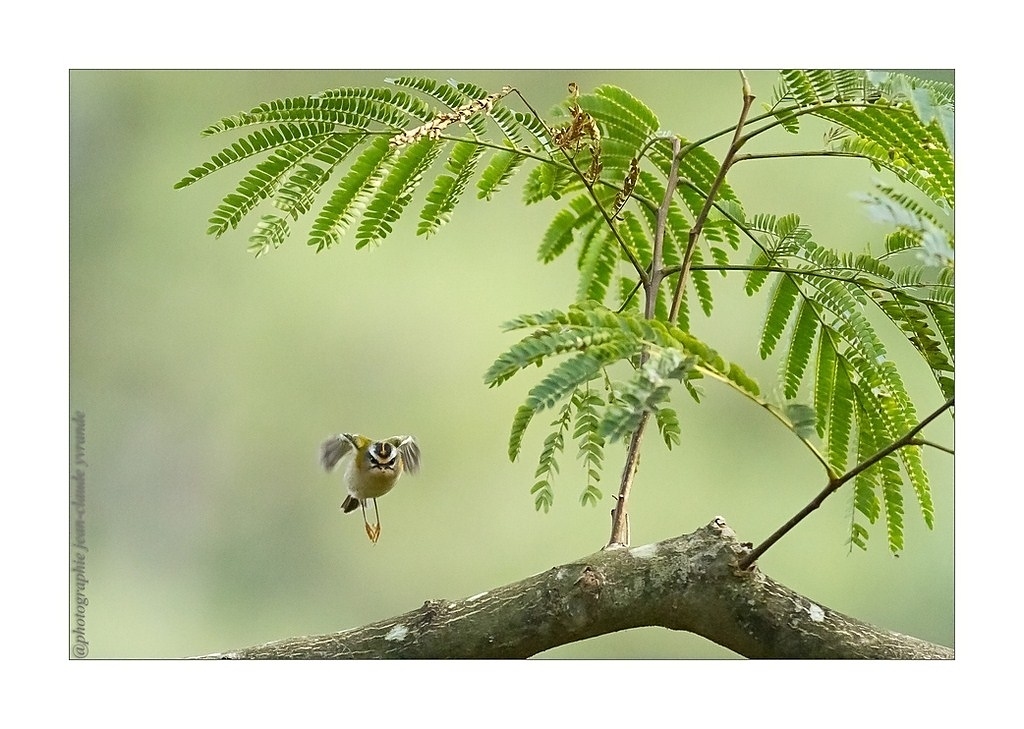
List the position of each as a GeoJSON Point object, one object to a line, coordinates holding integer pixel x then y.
{"type": "Point", "coordinates": [620, 516]}
{"type": "Point", "coordinates": [659, 231]}
{"type": "Point", "coordinates": [698, 225]}
{"type": "Point", "coordinates": [782, 155]}
{"type": "Point", "coordinates": [931, 444]}
{"type": "Point", "coordinates": [834, 485]}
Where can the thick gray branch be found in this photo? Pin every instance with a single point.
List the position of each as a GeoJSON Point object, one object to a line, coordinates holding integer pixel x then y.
{"type": "Point", "coordinates": [690, 583]}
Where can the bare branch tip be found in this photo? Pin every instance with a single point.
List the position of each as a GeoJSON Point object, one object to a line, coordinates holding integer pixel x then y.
{"type": "Point", "coordinates": [747, 92]}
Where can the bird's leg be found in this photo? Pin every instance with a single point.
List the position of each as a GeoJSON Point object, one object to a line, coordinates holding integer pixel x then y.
{"type": "Point", "coordinates": [376, 528]}
{"type": "Point", "coordinates": [366, 524]}
{"type": "Point", "coordinates": [373, 532]}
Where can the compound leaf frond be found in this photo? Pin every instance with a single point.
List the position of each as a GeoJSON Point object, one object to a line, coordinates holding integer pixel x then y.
{"type": "Point", "coordinates": [448, 189]}
{"type": "Point", "coordinates": [349, 197]}
{"type": "Point", "coordinates": [499, 171]}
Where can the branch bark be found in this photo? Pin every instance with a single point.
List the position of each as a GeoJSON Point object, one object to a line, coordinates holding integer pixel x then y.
{"type": "Point", "coordinates": [691, 582]}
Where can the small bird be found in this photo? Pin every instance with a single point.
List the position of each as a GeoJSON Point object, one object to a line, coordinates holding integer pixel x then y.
{"type": "Point", "coordinates": [373, 470]}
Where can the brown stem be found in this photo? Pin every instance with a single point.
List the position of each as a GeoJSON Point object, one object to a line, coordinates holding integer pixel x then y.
{"type": "Point", "coordinates": [657, 273]}
{"type": "Point", "coordinates": [620, 515]}
{"type": "Point", "coordinates": [834, 485]}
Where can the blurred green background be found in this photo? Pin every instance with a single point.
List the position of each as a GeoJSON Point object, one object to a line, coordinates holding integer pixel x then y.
{"type": "Point", "coordinates": [208, 379]}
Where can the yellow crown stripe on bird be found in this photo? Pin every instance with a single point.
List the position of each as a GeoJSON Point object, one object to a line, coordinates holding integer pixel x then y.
{"type": "Point", "coordinates": [373, 470]}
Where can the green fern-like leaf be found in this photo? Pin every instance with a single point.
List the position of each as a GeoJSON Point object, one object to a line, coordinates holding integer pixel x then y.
{"type": "Point", "coordinates": [824, 381]}
{"type": "Point", "coordinates": [931, 100]}
{"type": "Point", "coordinates": [297, 195]}
{"type": "Point", "coordinates": [702, 284]}
{"type": "Point", "coordinates": [543, 319]}
{"type": "Point", "coordinates": [911, 457]}
{"type": "Point", "coordinates": [779, 311]}
{"type": "Point", "coordinates": [270, 233]}
{"type": "Point", "coordinates": [311, 137]}
{"type": "Point", "coordinates": [259, 184]}
{"type": "Point", "coordinates": [600, 338]}
{"type": "Point", "coordinates": [357, 108]}
{"type": "Point", "coordinates": [580, 213]}
{"type": "Point", "coordinates": [597, 264]}
{"type": "Point", "coordinates": [349, 197]}
{"type": "Point", "coordinates": [576, 371]}
{"type": "Point", "coordinates": [799, 355]}
{"type": "Point", "coordinates": [524, 414]}
{"type": "Point", "coordinates": [892, 499]}
{"type": "Point", "coordinates": [866, 484]}
{"type": "Point", "coordinates": [645, 392]}
{"type": "Point", "coordinates": [448, 189]}
{"type": "Point", "coordinates": [859, 535]}
{"type": "Point", "coordinates": [548, 181]}
{"type": "Point", "coordinates": [741, 380]}
{"type": "Point", "coordinates": [779, 238]}
{"type": "Point", "coordinates": [498, 173]}
{"type": "Point", "coordinates": [591, 444]}
{"type": "Point", "coordinates": [507, 121]}
{"type": "Point", "coordinates": [547, 463]}
{"type": "Point", "coordinates": [591, 495]}
{"type": "Point", "coordinates": [635, 237]}
{"type": "Point", "coordinates": [447, 94]}
{"type": "Point", "coordinates": [253, 144]}
{"type": "Point", "coordinates": [841, 416]}
{"type": "Point", "coordinates": [698, 170]}
{"type": "Point", "coordinates": [911, 316]}
{"type": "Point", "coordinates": [620, 115]}
{"type": "Point", "coordinates": [822, 86]}
{"type": "Point", "coordinates": [668, 426]}
{"type": "Point", "coordinates": [757, 277]}
{"type": "Point", "coordinates": [534, 348]}
{"type": "Point", "coordinates": [896, 139]}
{"type": "Point", "coordinates": [857, 389]}
{"type": "Point", "coordinates": [543, 496]}
{"type": "Point", "coordinates": [395, 191]}
{"type": "Point", "coordinates": [894, 125]}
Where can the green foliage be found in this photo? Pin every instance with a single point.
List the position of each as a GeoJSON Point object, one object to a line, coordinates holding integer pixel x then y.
{"type": "Point", "coordinates": [395, 191]}
{"type": "Point", "coordinates": [853, 374]}
{"type": "Point", "coordinates": [357, 133]}
{"type": "Point", "coordinates": [668, 426]}
{"type": "Point", "coordinates": [898, 123]}
{"type": "Point", "coordinates": [591, 443]}
{"type": "Point", "coordinates": [828, 312]}
{"type": "Point", "coordinates": [447, 190]}
{"type": "Point", "coordinates": [645, 392]}
{"type": "Point", "coordinates": [599, 338]}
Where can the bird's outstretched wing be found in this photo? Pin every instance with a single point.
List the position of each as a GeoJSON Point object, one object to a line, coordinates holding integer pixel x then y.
{"type": "Point", "coordinates": [409, 449]}
{"type": "Point", "coordinates": [335, 448]}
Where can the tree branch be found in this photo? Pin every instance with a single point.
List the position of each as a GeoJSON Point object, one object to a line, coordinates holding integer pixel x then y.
{"type": "Point", "coordinates": [692, 583]}
{"type": "Point", "coordinates": [836, 483]}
